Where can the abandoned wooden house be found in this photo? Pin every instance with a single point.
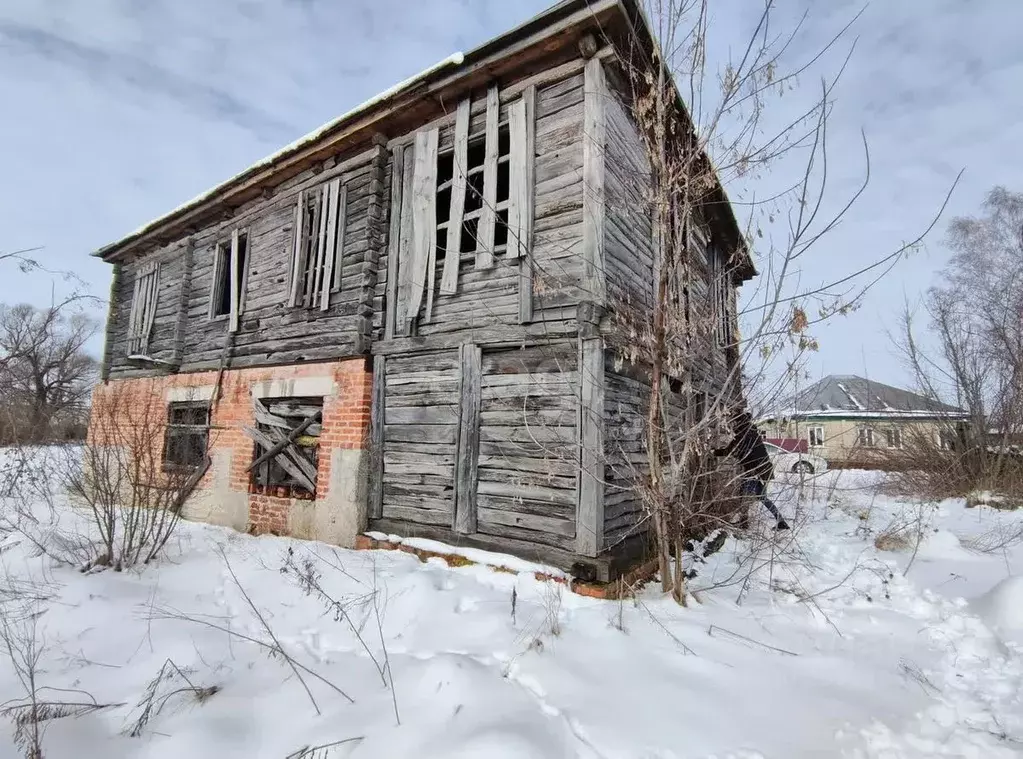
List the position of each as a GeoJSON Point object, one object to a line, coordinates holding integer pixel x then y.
{"type": "Point", "coordinates": [398, 322]}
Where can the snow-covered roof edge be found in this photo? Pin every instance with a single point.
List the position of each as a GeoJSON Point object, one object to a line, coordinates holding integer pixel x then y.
{"type": "Point", "coordinates": [455, 59]}
{"type": "Point", "coordinates": [847, 414]}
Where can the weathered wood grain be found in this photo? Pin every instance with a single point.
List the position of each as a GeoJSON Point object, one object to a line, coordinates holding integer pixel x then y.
{"type": "Point", "coordinates": [488, 214]}
{"type": "Point", "coordinates": [466, 474]}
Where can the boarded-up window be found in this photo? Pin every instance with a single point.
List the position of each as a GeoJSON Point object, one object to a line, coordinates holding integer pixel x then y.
{"type": "Point", "coordinates": [187, 435]}
{"type": "Point", "coordinates": [474, 199]}
{"type": "Point", "coordinates": [229, 265]}
{"type": "Point", "coordinates": [287, 438]}
{"type": "Point", "coordinates": [721, 291]}
{"type": "Point", "coordinates": [318, 245]}
{"type": "Point", "coordinates": [143, 308]}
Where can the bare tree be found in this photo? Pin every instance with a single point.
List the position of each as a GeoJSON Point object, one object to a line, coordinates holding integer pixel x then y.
{"type": "Point", "coordinates": [970, 354]}
{"type": "Point", "coordinates": [45, 370]}
{"type": "Point", "coordinates": [701, 128]}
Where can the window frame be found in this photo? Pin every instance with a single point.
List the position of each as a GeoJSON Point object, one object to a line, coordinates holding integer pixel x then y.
{"type": "Point", "coordinates": [144, 302]}
{"type": "Point", "coordinates": [865, 437]}
{"type": "Point", "coordinates": [893, 438]}
{"type": "Point", "coordinates": [815, 431]}
{"type": "Point", "coordinates": [721, 295]}
{"type": "Point", "coordinates": [177, 429]}
{"type": "Point", "coordinates": [269, 476]}
{"type": "Point", "coordinates": [228, 272]}
{"type": "Point", "coordinates": [317, 255]}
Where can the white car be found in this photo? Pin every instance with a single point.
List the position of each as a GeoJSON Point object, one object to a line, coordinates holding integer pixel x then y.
{"type": "Point", "coordinates": [798, 463]}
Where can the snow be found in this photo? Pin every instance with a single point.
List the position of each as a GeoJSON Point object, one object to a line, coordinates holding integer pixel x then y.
{"type": "Point", "coordinates": [1002, 608]}
{"type": "Point", "coordinates": [852, 398]}
{"type": "Point", "coordinates": [803, 644]}
{"type": "Point", "coordinates": [455, 59]}
{"type": "Point", "coordinates": [476, 555]}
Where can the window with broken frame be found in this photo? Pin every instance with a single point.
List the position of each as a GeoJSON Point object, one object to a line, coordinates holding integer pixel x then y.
{"type": "Point", "coordinates": [143, 307]}
{"type": "Point", "coordinates": [468, 201]}
{"type": "Point", "coordinates": [187, 435]}
{"type": "Point", "coordinates": [722, 293]}
{"type": "Point", "coordinates": [229, 277]}
{"type": "Point", "coordinates": [318, 245]}
{"type": "Point", "coordinates": [287, 444]}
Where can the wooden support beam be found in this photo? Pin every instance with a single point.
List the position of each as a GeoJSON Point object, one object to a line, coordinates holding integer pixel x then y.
{"type": "Point", "coordinates": [376, 451]}
{"type": "Point", "coordinates": [394, 237]}
{"type": "Point", "coordinates": [594, 136]}
{"type": "Point", "coordinates": [468, 442]}
{"type": "Point", "coordinates": [589, 520]}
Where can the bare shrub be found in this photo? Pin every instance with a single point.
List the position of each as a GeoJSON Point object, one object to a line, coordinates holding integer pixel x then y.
{"type": "Point", "coordinates": [24, 646]}
{"type": "Point", "coordinates": [132, 494]}
{"type": "Point", "coordinates": [169, 682]}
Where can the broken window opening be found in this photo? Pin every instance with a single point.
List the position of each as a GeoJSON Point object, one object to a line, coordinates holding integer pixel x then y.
{"type": "Point", "coordinates": [292, 425]}
{"type": "Point", "coordinates": [721, 292]}
{"type": "Point", "coordinates": [475, 191]}
{"type": "Point", "coordinates": [229, 277]}
{"type": "Point", "coordinates": [187, 435]}
{"type": "Point", "coordinates": [143, 308]}
{"type": "Point", "coordinates": [319, 245]}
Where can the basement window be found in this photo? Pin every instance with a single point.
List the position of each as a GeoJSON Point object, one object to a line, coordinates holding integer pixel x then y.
{"type": "Point", "coordinates": [229, 265]}
{"type": "Point", "coordinates": [289, 429]}
{"type": "Point", "coordinates": [187, 435]}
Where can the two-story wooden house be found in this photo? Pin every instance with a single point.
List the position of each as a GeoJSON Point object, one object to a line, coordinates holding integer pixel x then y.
{"type": "Point", "coordinates": [401, 318]}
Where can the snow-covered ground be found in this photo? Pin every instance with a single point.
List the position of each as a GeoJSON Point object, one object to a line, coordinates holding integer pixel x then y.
{"type": "Point", "coordinates": [825, 648]}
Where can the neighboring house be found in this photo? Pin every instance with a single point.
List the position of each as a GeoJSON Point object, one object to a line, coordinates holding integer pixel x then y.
{"type": "Point", "coordinates": [415, 299]}
{"type": "Point", "coordinates": [854, 422]}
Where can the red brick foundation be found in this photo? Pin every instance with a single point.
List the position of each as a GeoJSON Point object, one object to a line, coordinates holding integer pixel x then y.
{"type": "Point", "coordinates": [120, 403]}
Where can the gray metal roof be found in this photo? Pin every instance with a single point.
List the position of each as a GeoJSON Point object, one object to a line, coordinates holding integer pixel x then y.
{"type": "Point", "coordinates": [847, 392]}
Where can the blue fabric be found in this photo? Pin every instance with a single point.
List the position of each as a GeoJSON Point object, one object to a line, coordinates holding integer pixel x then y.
{"type": "Point", "coordinates": [757, 488]}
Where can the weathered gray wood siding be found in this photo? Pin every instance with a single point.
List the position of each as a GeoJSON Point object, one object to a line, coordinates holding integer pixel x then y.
{"type": "Point", "coordinates": [528, 452]}
{"type": "Point", "coordinates": [270, 331]}
{"type": "Point", "coordinates": [557, 263]}
{"type": "Point", "coordinates": [498, 461]}
{"type": "Point", "coordinates": [162, 341]}
{"type": "Point", "coordinates": [487, 298]}
{"type": "Point", "coordinates": [420, 427]}
{"type": "Point", "coordinates": [628, 232]}
{"type": "Point", "coordinates": [626, 400]}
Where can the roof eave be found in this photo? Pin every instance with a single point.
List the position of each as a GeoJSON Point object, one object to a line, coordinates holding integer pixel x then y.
{"type": "Point", "coordinates": [469, 62]}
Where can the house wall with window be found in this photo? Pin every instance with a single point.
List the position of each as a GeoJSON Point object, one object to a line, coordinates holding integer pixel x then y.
{"type": "Point", "coordinates": [460, 247]}
{"type": "Point", "coordinates": [858, 442]}
{"type": "Point", "coordinates": [229, 494]}
{"type": "Point", "coordinates": [286, 279]}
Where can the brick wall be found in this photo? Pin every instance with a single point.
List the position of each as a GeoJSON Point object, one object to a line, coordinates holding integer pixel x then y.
{"type": "Point", "coordinates": [345, 385]}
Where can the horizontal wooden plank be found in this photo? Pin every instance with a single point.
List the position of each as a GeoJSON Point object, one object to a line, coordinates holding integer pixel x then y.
{"type": "Point", "coordinates": [536, 493]}
{"type": "Point", "coordinates": [555, 466]}
{"type": "Point", "coordinates": [416, 515]}
{"type": "Point", "coordinates": [526, 536]}
{"type": "Point", "coordinates": [433, 414]}
{"type": "Point", "coordinates": [408, 433]}
{"type": "Point", "coordinates": [547, 525]}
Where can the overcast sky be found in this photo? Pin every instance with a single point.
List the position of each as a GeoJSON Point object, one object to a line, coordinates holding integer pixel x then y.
{"type": "Point", "coordinates": [116, 111]}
